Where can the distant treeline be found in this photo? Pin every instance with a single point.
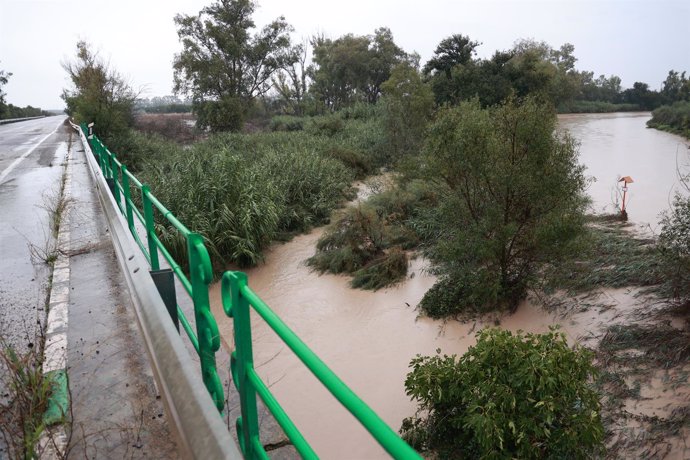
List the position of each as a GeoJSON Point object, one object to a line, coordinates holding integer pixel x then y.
{"type": "Point", "coordinates": [12, 111]}
{"type": "Point", "coordinates": [164, 104]}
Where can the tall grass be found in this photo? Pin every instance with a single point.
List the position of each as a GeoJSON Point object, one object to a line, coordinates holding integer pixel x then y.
{"type": "Point", "coordinates": [240, 192]}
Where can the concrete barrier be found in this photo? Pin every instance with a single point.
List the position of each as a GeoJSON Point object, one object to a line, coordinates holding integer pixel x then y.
{"type": "Point", "coordinates": [191, 412]}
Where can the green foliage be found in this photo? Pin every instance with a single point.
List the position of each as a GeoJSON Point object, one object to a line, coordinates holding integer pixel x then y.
{"type": "Point", "coordinates": [356, 161]}
{"type": "Point", "coordinates": [352, 68]}
{"type": "Point", "coordinates": [288, 123]}
{"type": "Point", "coordinates": [382, 272]}
{"type": "Point", "coordinates": [369, 240]}
{"type": "Point", "coordinates": [99, 95]}
{"type": "Point", "coordinates": [223, 66]}
{"type": "Point", "coordinates": [674, 242]}
{"type": "Point", "coordinates": [674, 118]}
{"type": "Point", "coordinates": [26, 397]}
{"type": "Point", "coordinates": [408, 104]}
{"type": "Point", "coordinates": [513, 198]}
{"type": "Point", "coordinates": [509, 396]}
{"type": "Point", "coordinates": [354, 240]}
{"type": "Point", "coordinates": [595, 107]}
{"type": "Point", "coordinates": [240, 192]}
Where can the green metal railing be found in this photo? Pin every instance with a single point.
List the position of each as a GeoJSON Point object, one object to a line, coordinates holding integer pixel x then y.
{"type": "Point", "coordinates": [206, 340]}
{"type": "Point", "coordinates": [237, 300]}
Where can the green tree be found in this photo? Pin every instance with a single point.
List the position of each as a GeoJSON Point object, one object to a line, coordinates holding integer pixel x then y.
{"type": "Point", "coordinates": [452, 51]}
{"type": "Point", "coordinates": [352, 68]}
{"type": "Point", "coordinates": [408, 104]}
{"type": "Point", "coordinates": [4, 78]}
{"type": "Point", "coordinates": [514, 199]}
{"type": "Point", "coordinates": [99, 94]}
{"type": "Point", "coordinates": [510, 396]}
{"type": "Point", "coordinates": [222, 66]}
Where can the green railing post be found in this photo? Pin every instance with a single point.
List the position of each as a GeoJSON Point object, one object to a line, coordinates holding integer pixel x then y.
{"type": "Point", "coordinates": [201, 276]}
{"type": "Point", "coordinates": [127, 193]}
{"type": "Point", "coordinates": [150, 227]}
{"type": "Point", "coordinates": [242, 361]}
{"type": "Point", "coordinates": [117, 171]}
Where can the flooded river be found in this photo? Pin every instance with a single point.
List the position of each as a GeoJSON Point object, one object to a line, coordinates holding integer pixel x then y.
{"type": "Point", "coordinates": [619, 144]}
{"type": "Point", "coordinates": [368, 338]}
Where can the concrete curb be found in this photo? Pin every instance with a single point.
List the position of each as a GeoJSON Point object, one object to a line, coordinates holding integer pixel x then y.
{"type": "Point", "coordinates": [192, 414]}
{"type": "Point", "coordinates": [53, 441]}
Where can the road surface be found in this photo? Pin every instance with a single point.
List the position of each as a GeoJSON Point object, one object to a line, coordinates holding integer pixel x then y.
{"type": "Point", "coordinates": [31, 154]}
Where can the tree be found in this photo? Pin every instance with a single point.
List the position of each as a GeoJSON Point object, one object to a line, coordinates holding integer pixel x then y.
{"type": "Point", "coordinates": [408, 104]}
{"type": "Point", "coordinates": [513, 199]}
{"type": "Point", "coordinates": [352, 68]}
{"type": "Point", "coordinates": [452, 51]}
{"type": "Point", "coordinates": [291, 81]}
{"type": "Point", "coordinates": [223, 66]}
{"type": "Point", "coordinates": [99, 94]}
{"type": "Point", "coordinates": [510, 396]}
{"type": "Point", "coordinates": [4, 78]}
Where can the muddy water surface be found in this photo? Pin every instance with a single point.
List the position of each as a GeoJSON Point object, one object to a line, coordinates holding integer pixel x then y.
{"type": "Point", "coordinates": [619, 144]}
{"type": "Point", "coordinates": [368, 338]}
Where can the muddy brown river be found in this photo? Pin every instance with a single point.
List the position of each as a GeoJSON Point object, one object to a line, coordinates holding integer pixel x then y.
{"type": "Point", "coordinates": [368, 338]}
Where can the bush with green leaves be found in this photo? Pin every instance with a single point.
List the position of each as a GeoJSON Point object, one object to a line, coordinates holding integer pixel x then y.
{"type": "Point", "coordinates": [512, 198]}
{"type": "Point", "coordinates": [674, 242]}
{"type": "Point", "coordinates": [509, 396]}
{"type": "Point", "coordinates": [674, 118]}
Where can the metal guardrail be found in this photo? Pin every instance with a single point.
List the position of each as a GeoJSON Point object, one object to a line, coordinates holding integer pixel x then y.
{"type": "Point", "coordinates": [14, 120]}
{"type": "Point", "coordinates": [237, 299]}
{"type": "Point", "coordinates": [194, 415]}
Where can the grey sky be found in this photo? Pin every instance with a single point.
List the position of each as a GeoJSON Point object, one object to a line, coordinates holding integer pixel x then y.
{"type": "Point", "coordinates": [636, 40]}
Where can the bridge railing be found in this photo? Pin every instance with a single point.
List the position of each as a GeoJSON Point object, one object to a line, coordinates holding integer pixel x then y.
{"type": "Point", "coordinates": [206, 340]}
{"type": "Point", "coordinates": [237, 300]}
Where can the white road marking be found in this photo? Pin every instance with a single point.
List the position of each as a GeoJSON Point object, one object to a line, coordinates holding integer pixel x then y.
{"type": "Point", "coordinates": [26, 154]}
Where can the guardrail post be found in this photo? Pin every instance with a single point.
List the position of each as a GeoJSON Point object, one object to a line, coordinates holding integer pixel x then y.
{"type": "Point", "coordinates": [201, 275]}
{"type": "Point", "coordinates": [116, 178]}
{"type": "Point", "coordinates": [128, 198]}
{"type": "Point", "coordinates": [165, 283]}
{"type": "Point", "coordinates": [242, 359]}
{"type": "Point", "coordinates": [150, 227]}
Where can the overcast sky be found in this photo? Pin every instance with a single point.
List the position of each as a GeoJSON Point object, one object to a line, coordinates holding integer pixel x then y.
{"type": "Point", "coordinates": [636, 40]}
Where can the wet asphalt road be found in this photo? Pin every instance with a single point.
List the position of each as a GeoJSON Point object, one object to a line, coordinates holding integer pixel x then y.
{"type": "Point", "coordinates": [31, 154]}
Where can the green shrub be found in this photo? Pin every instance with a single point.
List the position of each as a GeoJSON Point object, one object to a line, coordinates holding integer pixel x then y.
{"type": "Point", "coordinates": [351, 242]}
{"type": "Point", "coordinates": [674, 118]}
{"type": "Point", "coordinates": [510, 396]}
{"type": "Point", "coordinates": [287, 123]}
{"type": "Point", "coordinates": [358, 163]}
{"type": "Point", "coordinates": [382, 272]}
{"type": "Point", "coordinates": [329, 125]}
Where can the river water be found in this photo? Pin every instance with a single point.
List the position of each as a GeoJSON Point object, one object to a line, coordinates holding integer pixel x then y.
{"type": "Point", "coordinates": [368, 338]}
